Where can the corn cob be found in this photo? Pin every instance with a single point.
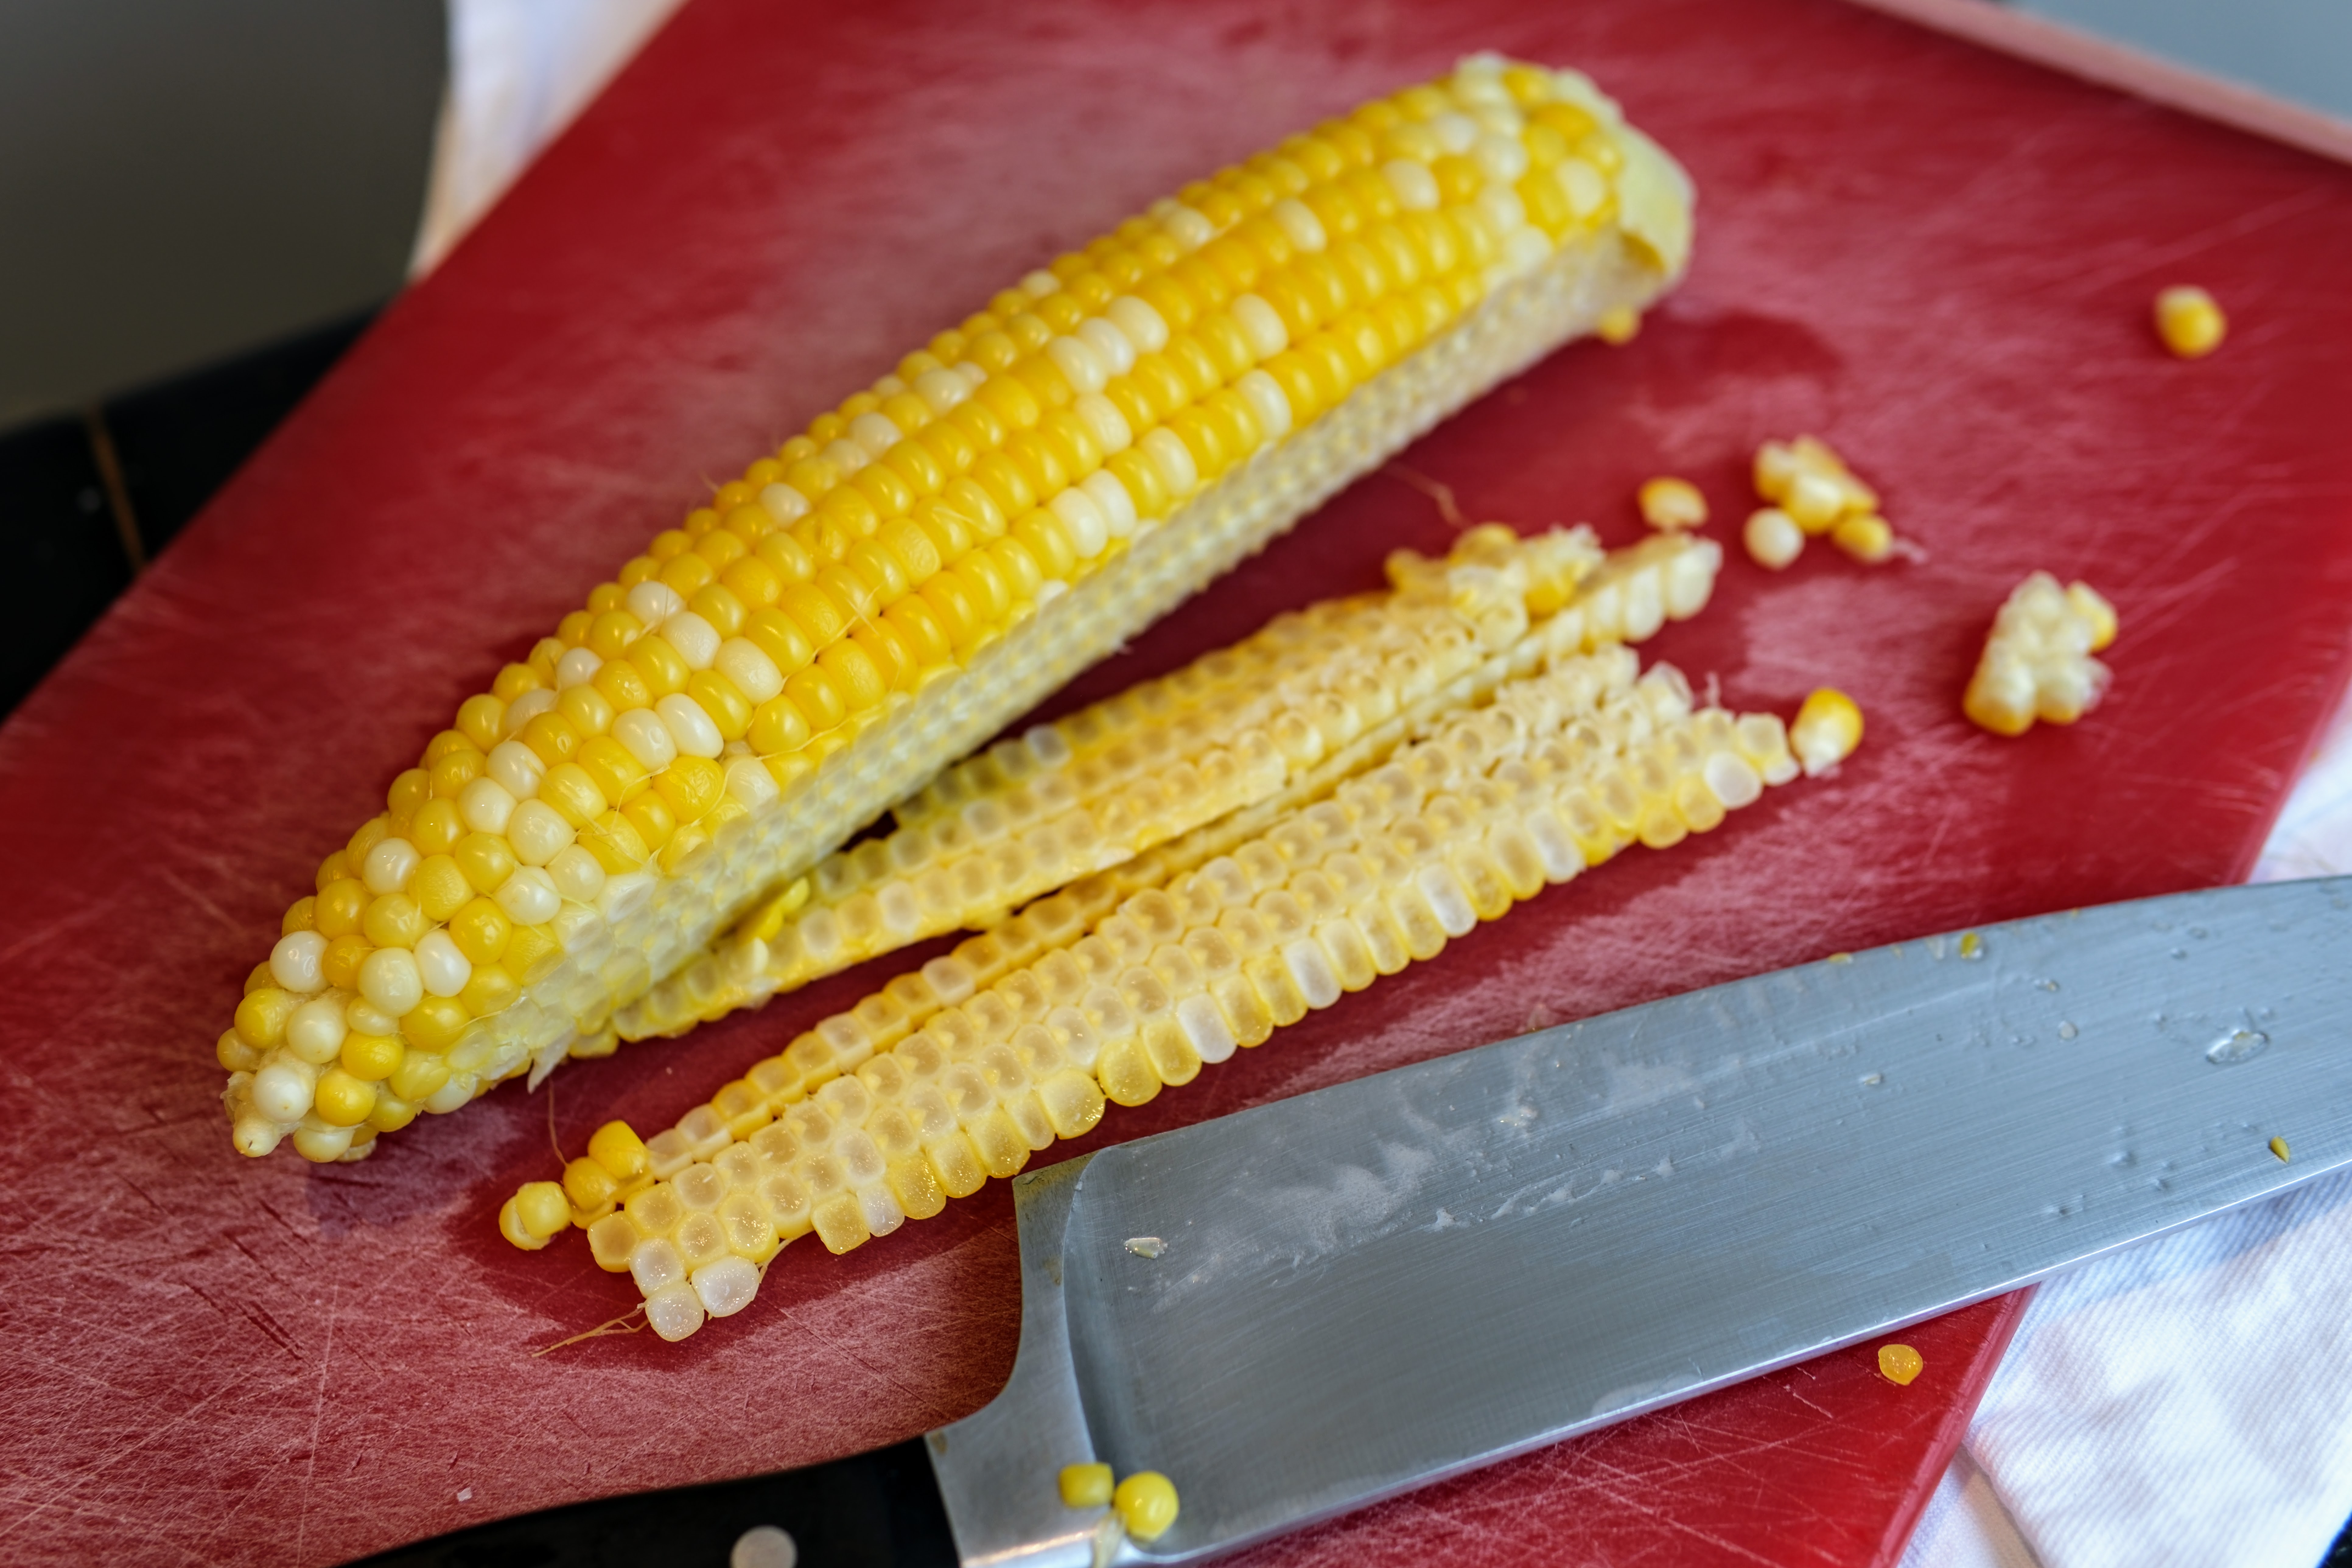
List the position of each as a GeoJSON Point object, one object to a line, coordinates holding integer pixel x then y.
{"type": "Point", "coordinates": [1448, 634]}
{"type": "Point", "coordinates": [1135, 980]}
{"type": "Point", "coordinates": [866, 603]}
{"type": "Point", "coordinates": [2037, 661]}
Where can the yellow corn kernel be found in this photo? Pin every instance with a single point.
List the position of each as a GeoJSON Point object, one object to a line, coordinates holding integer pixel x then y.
{"type": "Point", "coordinates": [1085, 1486]}
{"type": "Point", "coordinates": [1773, 539]}
{"type": "Point", "coordinates": [1899, 1364]}
{"type": "Point", "coordinates": [1146, 1503]}
{"type": "Point", "coordinates": [2190, 322]}
{"type": "Point", "coordinates": [1828, 728]}
{"type": "Point", "coordinates": [1671, 503]}
{"type": "Point", "coordinates": [1619, 325]}
{"type": "Point", "coordinates": [1867, 539]}
{"type": "Point", "coordinates": [617, 1148]}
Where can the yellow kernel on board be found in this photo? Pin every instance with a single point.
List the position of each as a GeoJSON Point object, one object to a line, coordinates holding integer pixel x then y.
{"type": "Point", "coordinates": [1773, 539]}
{"type": "Point", "coordinates": [2278, 1147]}
{"type": "Point", "coordinates": [1900, 1363]}
{"type": "Point", "coordinates": [1619, 326]}
{"type": "Point", "coordinates": [1828, 728]}
{"type": "Point", "coordinates": [1867, 539]}
{"type": "Point", "coordinates": [1085, 1486]}
{"type": "Point", "coordinates": [2190, 322]}
{"type": "Point", "coordinates": [1671, 503]}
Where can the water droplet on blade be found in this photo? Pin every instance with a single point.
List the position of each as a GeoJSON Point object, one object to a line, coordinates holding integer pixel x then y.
{"type": "Point", "coordinates": [2237, 1046]}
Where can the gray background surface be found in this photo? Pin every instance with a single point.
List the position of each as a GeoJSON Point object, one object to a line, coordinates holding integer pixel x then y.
{"type": "Point", "coordinates": [184, 179]}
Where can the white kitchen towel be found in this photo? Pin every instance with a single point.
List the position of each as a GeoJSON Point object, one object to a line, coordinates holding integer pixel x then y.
{"type": "Point", "coordinates": [2188, 1400]}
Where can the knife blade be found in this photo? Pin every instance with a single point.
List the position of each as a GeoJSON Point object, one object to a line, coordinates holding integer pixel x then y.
{"type": "Point", "coordinates": [1300, 1308]}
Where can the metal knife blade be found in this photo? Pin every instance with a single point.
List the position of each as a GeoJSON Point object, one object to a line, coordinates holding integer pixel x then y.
{"type": "Point", "coordinates": [1372, 1287]}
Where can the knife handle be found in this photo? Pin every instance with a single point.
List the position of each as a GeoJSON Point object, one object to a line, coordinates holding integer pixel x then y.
{"type": "Point", "coordinates": [878, 1510]}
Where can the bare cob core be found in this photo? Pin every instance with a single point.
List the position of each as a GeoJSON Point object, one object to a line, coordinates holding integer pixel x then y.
{"type": "Point", "coordinates": [890, 587]}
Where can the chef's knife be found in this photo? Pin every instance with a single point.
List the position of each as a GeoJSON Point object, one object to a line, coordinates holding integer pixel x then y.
{"type": "Point", "coordinates": [1301, 1309]}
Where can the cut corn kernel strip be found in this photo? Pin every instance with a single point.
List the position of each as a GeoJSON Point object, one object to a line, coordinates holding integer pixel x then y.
{"type": "Point", "coordinates": [1113, 780]}
{"type": "Point", "coordinates": [1135, 980]}
{"type": "Point", "coordinates": [1489, 582]}
{"type": "Point", "coordinates": [2037, 660]}
{"type": "Point", "coordinates": [2190, 322]}
{"type": "Point", "coordinates": [925, 563]}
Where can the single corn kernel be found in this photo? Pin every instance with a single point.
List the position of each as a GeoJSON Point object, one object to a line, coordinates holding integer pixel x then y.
{"type": "Point", "coordinates": [1828, 728]}
{"type": "Point", "coordinates": [2190, 322]}
{"type": "Point", "coordinates": [1868, 539]}
{"type": "Point", "coordinates": [1671, 503]}
{"type": "Point", "coordinates": [1146, 1502]}
{"type": "Point", "coordinates": [2278, 1147]}
{"type": "Point", "coordinates": [1618, 326]}
{"type": "Point", "coordinates": [1773, 539]}
{"type": "Point", "coordinates": [1085, 1486]}
{"type": "Point", "coordinates": [1900, 1363]}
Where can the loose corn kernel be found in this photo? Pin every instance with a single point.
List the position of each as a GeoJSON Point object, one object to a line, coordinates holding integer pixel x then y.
{"type": "Point", "coordinates": [1900, 1365]}
{"type": "Point", "coordinates": [2190, 322]}
{"type": "Point", "coordinates": [1085, 1486]}
{"type": "Point", "coordinates": [1671, 503]}
{"type": "Point", "coordinates": [1773, 539]}
{"type": "Point", "coordinates": [1828, 728]}
{"type": "Point", "coordinates": [1867, 539]}
{"type": "Point", "coordinates": [1147, 1505]}
{"type": "Point", "coordinates": [2037, 660]}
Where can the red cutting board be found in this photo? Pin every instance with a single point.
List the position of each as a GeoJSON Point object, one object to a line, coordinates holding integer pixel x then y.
{"type": "Point", "coordinates": [1940, 259]}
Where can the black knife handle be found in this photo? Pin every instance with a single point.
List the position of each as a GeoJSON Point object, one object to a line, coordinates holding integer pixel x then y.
{"type": "Point", "coordinates": [881, 1509]}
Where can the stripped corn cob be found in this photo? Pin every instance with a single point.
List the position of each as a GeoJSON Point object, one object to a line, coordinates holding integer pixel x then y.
{"type": "Point", "coordinates": [1136, 979]}
{"type": "Point", "coordinates": [2037, 661]}
{"type": "Point", "coordinates": [892, 586]}
{"type": "Point", "coordinates": [1359, 678]}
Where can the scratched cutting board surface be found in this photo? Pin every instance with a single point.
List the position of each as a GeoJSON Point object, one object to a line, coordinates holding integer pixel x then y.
{"type": "Point", "coordinates": [1940, 258]}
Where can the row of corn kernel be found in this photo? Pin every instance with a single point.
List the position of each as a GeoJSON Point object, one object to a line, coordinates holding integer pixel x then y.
{"type": "Point", "coordinates": [1124, 774]}
{"type": "Point", "coordinates": [681, 813]}
{"type": "Point", "coordinates": [2037, 660]}
{"type": "Point", "coordinates": [1462, 826]}
{"type": "Point", "coordinates": [1444, 669]}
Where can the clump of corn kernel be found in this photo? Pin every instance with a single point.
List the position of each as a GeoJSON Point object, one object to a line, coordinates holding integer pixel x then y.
{"type": "Point", "coordinates": [1773, 539]}
{"type": "Point", "coordinates": [1828, 728]}
{"type": "Point", "coordinates": [887, 587]}
{"type": "Point", "coordinates": [1811, 486]}
{"type": "Point", "coordinates": [1671, 503]}
{"type": "Point", "coordinates": [2190, 322]}
{"type": "Point", "coordinates": [2037, 660]}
